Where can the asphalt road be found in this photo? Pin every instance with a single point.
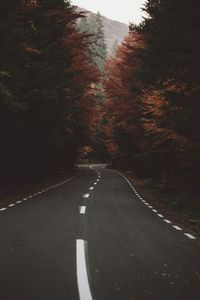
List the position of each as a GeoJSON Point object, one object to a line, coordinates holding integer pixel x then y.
{"type": "Point", "coordinates": [93, 238]}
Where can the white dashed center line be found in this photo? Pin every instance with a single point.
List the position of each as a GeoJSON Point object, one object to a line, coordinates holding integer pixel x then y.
{"type": "Point", "coordinates": [11, 205]}
{"type": "Point", "coordinates": [86, 195]}
{"type": "Point", "coordinates": [81, 270]}
{"type": "Point", "coordinates": [2, 209]}
{"type": "Point", "coordinates": [91, 188]}
{"type": "Point", "coordinates": [82, 210]}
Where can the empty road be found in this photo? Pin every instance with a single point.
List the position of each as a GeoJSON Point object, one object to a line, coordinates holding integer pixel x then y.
{"type": "Point", "coordinates": [94, 237]}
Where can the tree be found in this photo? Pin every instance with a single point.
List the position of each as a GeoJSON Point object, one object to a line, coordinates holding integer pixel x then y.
{"type": "Point", "coordinates": [45, 75]}
{"type": "Point", "coordinates": [122, 110]}
{"type": "Point", "coordinates": [93, 26]}
{"type": "Point", "coordinates": [114, 47]}
{"type": "Point", "coordinates": [170, 63]}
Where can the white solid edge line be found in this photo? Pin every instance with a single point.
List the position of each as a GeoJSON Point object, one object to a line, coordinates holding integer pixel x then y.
{"type": "Point", "coordinates": [82, 210]}
{"type": "Point", "coordinates": [81, 271]}
{"type": "Point", "coordinates": [190, 236]}
{"type": "Point", "coordinates": [130, 184]}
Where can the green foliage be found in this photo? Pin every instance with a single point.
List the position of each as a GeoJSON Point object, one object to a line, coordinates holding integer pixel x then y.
{"type": "Point", "coordinates": [93, 25]}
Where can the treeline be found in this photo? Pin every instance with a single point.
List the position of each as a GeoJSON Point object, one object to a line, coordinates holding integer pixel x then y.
{"type": "Point", "coordinates": [46, 92]}
{"type": "Point", "coordinates": [152, 104]}
{"type": "Point", "coordinates": [92, 24]}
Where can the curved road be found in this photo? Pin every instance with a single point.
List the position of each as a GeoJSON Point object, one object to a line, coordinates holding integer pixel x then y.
{"type": "Point", "coordinates": [94, 237]}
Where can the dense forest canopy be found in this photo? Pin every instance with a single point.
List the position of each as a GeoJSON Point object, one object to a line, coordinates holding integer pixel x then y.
{"type": "Point", "coordinates": [61, 95]}
{"type": "Point", "coordinates": [152, 86]}
{"type": "Point", "coordinates": [46, 73]}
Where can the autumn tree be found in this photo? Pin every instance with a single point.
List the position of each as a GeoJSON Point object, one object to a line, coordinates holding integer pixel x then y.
{"type": "Point", "coordinates": [170, 64]}
{"type": "Point", "coordinates": [45, 74]}
{"type": "Point", "coordinates": [152, 89]}
{"type": "Point", "coordinates": [122, 109]}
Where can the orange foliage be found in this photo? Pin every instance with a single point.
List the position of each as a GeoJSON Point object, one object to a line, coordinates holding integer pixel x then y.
{"type": "Point", "coordinates": [121, 91]}
{"type": "Point", "coordinates": [155, 114]}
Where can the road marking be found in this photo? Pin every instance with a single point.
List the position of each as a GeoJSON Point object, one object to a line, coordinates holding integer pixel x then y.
{"type": "Point", "coordinates": [91, 188]}
{"type": "Point", "coordinates": [81, 271]}
{"type": "Point", "coordinates": [150, 206]}
{"type": "Point", "coordinates": [86, 195]}
{"type": "Point", "coordinates": [2, 209]}
{"type": "Point", "coordinates": [36, 194]}
{"type": "Point", "coordinates": [190, 236]}
{"type": "Point", "coordinates": [161, 216]}
{"type": "Point", "coordinates": [97, 179]}
{"type": "Point", "coordinates": [154, 210]}
{"type": "Point", "coordinates": [82, 210]}
{"type": "Point", "coordinates": [95, 183]}
{"type": "Point", "coordinates": [167, 221]}
{"type": "Point", "coordinates": [177, 227]}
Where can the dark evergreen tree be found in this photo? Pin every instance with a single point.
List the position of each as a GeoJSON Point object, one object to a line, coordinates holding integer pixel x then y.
{"type": "Point", "coordinates": [99, 47]}
{"type": "Point", "coordinates": [93, 25]}
{"type": "Point", "coordinates": [45, 70]}
{"type": "Point", "coordinates": [170, 62]}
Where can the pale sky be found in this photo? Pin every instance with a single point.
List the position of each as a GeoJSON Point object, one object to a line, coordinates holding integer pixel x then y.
{"type": "Point", "coordinates": [125, 11]}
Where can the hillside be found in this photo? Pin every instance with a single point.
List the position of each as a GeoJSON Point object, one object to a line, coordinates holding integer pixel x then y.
{"type": "Point", "coordinates": [115, 31]}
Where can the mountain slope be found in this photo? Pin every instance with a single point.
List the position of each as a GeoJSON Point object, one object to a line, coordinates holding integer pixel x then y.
{"type": "Point", "coordinates": [115, 31]}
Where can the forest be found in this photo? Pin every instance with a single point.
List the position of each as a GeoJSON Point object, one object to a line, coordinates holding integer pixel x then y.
{"type": "Point", "coordinates": [63, 97]}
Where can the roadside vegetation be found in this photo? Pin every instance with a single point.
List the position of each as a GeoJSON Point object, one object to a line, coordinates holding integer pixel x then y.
{"type": "Point", "coordinates": [152, 105]}
{"type": "Point", "coordinates": [63, 99]}
{"type": "Point", "coordinates": [47, 89]}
